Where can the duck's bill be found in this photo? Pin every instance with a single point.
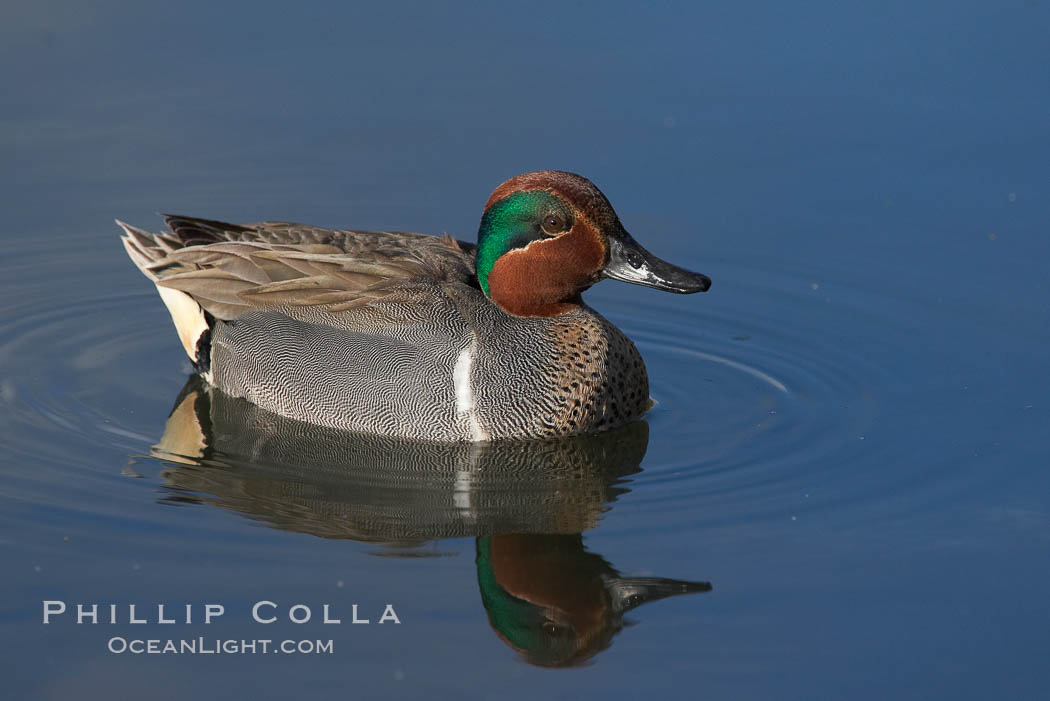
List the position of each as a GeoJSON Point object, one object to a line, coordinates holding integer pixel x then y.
{"type": "Point", "coordinates": [629, 262]}
{"type": "Point", "coordinates": [629, 593]}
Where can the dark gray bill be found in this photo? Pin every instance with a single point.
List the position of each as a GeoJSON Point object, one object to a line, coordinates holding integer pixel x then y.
{"type": "Point", "coordinates": [629, 262]}
{"type": "Point", "coordinates": [629, 593]}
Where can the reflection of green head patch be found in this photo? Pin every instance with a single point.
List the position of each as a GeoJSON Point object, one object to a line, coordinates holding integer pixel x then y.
{"type": "Point", "coordinates": [517, 620]}
{"type": "Point", "coordinates": [513, 222]}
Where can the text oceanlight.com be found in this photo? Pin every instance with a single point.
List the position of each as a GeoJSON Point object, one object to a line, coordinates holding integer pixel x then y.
{"type": "Point", "coordinates": [204, 646]}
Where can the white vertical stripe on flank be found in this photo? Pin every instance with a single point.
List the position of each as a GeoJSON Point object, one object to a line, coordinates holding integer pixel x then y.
{"type": "Point", "coordinates": [465, 393]}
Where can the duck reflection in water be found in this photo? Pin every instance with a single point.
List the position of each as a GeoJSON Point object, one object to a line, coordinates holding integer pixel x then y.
{"type": "Point", "coordinates": [556, 603]}
{"type": "Point", "coordinates": [527, 504]}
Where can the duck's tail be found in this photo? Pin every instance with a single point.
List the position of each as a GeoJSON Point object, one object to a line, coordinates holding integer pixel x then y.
{"type": "Point", "coordinates": [149, 252]}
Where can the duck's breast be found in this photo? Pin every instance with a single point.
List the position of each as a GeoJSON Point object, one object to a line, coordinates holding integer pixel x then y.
{"type": "Point", "coordinates": [547, 377]}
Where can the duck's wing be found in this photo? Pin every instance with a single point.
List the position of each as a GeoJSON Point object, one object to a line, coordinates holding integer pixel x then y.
{"type": "Point", "coordinates": [230, 269]}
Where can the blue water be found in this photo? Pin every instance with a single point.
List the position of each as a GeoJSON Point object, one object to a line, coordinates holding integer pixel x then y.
{"type": "Point", "coordinates": [850, 436]}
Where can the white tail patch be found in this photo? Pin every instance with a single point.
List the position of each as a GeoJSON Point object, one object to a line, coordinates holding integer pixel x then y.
{"type": "Point", "coordinates": [188, 317]}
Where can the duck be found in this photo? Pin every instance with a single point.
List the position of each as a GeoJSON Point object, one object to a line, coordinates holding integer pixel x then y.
{"type": "Point", "coordinates": [416, 336]}
{"type": "Point", "coordinates": [556, 603]}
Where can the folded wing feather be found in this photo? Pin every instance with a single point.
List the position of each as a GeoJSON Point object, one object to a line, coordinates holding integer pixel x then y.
{"type": "Point", "coordinates": [231, 269]}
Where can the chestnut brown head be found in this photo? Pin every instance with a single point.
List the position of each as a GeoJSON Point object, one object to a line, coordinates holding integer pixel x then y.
{"type": "Point", "coordinates": [548, 235]}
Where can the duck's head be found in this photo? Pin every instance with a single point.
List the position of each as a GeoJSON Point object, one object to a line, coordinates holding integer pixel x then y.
{"type": "Point", "coordinates": [548, 235]}
{"type": "Point", "coordinates": [556, 603]}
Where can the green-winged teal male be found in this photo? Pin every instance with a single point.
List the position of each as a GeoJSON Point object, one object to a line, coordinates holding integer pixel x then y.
{"type": "Point", "coordinates": [412, 335]}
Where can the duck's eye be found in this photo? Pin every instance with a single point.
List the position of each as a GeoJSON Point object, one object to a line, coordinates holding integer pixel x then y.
{"type": "Point", "coordinates": [556, 630]}
{"type": "Point", "coordinates": [554, 223]}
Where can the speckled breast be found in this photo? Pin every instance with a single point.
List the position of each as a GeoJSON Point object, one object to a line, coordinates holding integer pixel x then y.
{"type": "Point", "coordinates": [546, 377]}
